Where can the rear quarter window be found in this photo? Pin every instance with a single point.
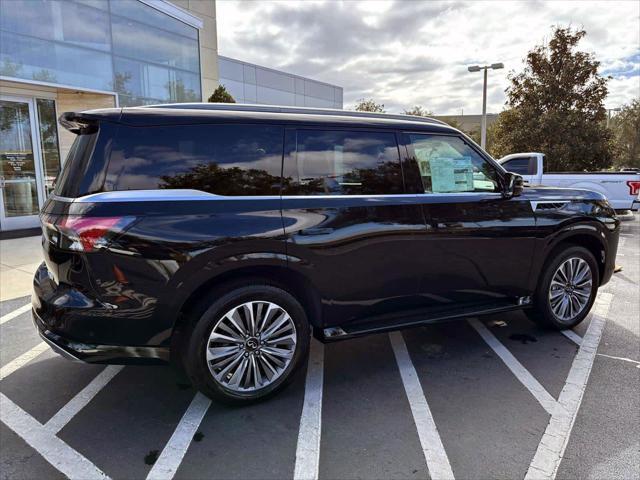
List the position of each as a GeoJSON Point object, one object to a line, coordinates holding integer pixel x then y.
{"type": "Point", "coordinates": [70, 179]}
{"type": "Point", "coordinates": [521, 165]}
{"type": "Point", "coordinates": [219, 159]}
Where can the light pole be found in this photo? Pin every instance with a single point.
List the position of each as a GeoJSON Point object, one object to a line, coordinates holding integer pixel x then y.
{"type": "Point", "coordinates": [483, 124]}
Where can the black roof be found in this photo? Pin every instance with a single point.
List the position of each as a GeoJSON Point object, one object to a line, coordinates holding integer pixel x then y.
{"type": "Point", "coordinates": [193, 113]}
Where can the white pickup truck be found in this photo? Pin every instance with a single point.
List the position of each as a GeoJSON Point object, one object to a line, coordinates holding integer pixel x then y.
{"type": "Point", "coordinates": [622, 189]}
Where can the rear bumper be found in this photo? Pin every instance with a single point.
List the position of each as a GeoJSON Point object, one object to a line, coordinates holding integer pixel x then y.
{"type": "Point", "coordinates": [90, 353]}
{"type": "Point", "coordinates": [51, 315]}
{"type": "Point", "coordinates": [635, 206]}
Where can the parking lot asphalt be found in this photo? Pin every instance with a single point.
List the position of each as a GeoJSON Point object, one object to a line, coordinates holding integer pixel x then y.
{"type": "Point", "coordinates": [492, 397]}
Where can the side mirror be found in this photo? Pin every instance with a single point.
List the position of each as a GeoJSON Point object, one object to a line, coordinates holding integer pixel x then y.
{"type": "Point", "coordinates": [513, 185]}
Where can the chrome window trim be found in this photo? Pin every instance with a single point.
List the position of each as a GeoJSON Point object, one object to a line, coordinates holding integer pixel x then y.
{"type": "Point", "coordinates": [198, 195]}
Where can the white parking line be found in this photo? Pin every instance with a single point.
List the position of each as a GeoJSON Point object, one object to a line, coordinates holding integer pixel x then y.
{"type": "Point", "coordinates": [623, 359]}
{"type": "Point", "coordinates": [573, 336]}
{"type": "Point", "coordinates": [174, 451]}
{"type": "Point", "coordinates": [51, 448]}
{"type": "Point", "coordinates": [552, 446]}
{"type": "Point", "coordinates": [82, 399]}
{"type": "Point", "coordinates": [22, 360]}
{"type": "Point", "coordinates": [16, 313]}
{"type": "Point", "coordinates": [537, 390]}
{"type": "Point", "coordinates": [432, 447]}
{"type": "Point", "coordinates": [309, 433]}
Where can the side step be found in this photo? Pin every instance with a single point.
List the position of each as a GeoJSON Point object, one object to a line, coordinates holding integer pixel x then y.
{"type": "Point", "coordinates": [344, 332]}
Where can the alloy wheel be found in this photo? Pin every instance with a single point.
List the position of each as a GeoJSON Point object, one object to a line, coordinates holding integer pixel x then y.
{"type": "Point", "coordinates": [570, 289]}
{"type": "Point", "coordinates": [251, 346]}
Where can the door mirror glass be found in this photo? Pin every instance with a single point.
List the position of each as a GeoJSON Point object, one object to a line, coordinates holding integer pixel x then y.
{"type": "Point", "coordinates": [513, 185]}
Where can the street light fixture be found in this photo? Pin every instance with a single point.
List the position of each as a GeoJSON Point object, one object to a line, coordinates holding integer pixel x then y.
{"type": "Point", "coordinates": [483, 127]}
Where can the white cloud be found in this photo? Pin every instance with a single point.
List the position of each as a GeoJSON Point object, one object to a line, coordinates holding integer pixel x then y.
{"type": "Point", "coordinates": [416, 53]}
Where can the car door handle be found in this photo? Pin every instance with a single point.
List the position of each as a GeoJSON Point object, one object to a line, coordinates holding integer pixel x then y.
{"type": "Point", "coordinates": [316, 231]}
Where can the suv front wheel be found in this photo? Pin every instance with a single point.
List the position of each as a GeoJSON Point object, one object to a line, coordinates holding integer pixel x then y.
{"type": "Point", "coordinates": [567, 290]}
{"type": "Point", "coordinates": [247, 344]}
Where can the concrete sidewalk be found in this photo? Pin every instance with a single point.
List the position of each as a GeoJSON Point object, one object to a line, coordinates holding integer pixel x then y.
{"type": "Point", "coordinates": [19, 258]}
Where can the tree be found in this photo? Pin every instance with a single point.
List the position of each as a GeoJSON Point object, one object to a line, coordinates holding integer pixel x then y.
{"type": "Point", "coordinates": [369, 105]}
{"type": "Point", "coordinates": [178, 92]}
{"type": "Point", "coordinates": [221, 95]}
{"type": "Point", "coordinates": [556, 106]}
{"type": "Point", "coordinates": [418, 111]}
{"type": "Point", "coordinates": [626, 130]}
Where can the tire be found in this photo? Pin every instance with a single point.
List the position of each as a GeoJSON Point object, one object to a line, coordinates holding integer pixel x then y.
{"type": "Point", "coordinates": [570, 301]}
{"type": "Point", "coordinates": [240, 365]}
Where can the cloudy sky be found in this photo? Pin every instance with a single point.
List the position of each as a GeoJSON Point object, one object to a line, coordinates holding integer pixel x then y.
{"type": "Point", "coordinates": [409, 53]}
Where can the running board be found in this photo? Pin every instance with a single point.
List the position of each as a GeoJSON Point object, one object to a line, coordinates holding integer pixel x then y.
{"type": "Point", "coordinates": [333, 334]}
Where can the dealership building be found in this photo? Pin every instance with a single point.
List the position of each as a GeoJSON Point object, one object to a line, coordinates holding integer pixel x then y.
{"type": "Point", "coordinates": [71, 55]}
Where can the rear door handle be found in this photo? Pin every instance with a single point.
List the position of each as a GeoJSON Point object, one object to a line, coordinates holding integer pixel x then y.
{"type": "Point", "coordinates": [316, 231]}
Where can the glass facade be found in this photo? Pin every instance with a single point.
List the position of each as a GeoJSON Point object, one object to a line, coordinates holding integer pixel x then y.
{"type": "Point", "coordinates": [124, 46]}
{"type": "Point", "coordinates": [48, 128]}
{"type": "Point", "coordinates": [249, 83]}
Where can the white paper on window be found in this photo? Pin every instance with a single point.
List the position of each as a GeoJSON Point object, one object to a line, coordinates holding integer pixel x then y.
{"type": "Point", "coordinates": [451, 174]}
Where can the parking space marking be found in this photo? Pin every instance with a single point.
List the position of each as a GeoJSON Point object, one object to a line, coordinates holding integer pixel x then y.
{"type": "Point", "coordinates": [573, 336]}
{"type": "Point", "coordinates": [432, 447]}
{"type": "Point", "coordinates": [82, 399]}
{"type": "Point", "coordinates": [623, 359]}
{"type": "Point", "coordinates": [310, 430]}
{"type": "Point", "coordinates": [537, 390]}
{"type": "Point", "coordinates": [16, 313]}
{"type": "Point", "coordinates": [174, 451]}
{"type": "Point", "coordinates": [554, 441]}
{"type": "Point", "coordinates": [22, 360]}
{"type": "Point", "coordinates": [60, 455]}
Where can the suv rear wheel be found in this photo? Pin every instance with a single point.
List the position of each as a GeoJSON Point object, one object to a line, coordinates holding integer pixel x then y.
{"type": "Point", "coordinates": [247, 344]}
{"type": "Point", "coordinates": [567, 289]}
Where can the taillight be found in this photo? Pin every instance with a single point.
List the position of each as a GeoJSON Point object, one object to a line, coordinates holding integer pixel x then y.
{"type": "Point", "coordinates": [634, 187]}
{"type": "Point", "coordinates": [88, 234]}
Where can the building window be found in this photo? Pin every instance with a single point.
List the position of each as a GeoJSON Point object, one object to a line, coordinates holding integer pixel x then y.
{"type": "Point", "coordinates": [47, 122]}
{"type": "Point", "coordinates": [125, 46]}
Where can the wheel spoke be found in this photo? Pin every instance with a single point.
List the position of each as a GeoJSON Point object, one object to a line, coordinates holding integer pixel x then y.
{"type": "Point", "coordinates": [265, 316]}
{"type": "Point", "coordinates": [271, 370]}
{"type": "Point", "coordinates": [278, 352]}
{"type": "Point", "coordinates": [218, 337]}
{"type": "Point", "coordinates": [554, 294]}
{"type": "Point", "coordinates": [234, 363]}
{"type": "Point", "coordinates": [238, 375]}
{"type": "Point", "coordinates": [255, 368]}
{"type": "Point", "coordinates": [250, 318]}
{"type": "Point", "coordinates": [291, 338]}
{"type": "Point", "coordinates": [275, 326]}
{"type": "Point", "coordinates": [213, 353]}
{"type": "Point", "coordinates": [582, 293]}
{"type": "Point", "coordinates": [231, 317]}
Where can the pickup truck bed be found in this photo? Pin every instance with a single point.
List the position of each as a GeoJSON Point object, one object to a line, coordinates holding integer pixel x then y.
{"type": "Point", "coordinates": [622, 189]}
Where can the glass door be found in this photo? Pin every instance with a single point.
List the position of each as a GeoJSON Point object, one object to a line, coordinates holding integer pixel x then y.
{"type": "Point", "coordinates": [20, 176]}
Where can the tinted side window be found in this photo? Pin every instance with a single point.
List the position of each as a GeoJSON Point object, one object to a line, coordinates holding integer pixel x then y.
{"type": "Point", "coordinates": [448, 165]}
{"type": "Point", "coordinates": [518, 165]}
{"type": "Point", "coordinates": [73, 170]}
{"type": "Point", "coordinates": [335, 162]}
{"type": "Point", "coordinates": [219, 159]}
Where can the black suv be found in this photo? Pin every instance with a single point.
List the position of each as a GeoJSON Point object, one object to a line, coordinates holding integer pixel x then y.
{"type": "Point", "coordinates": [219, 237]}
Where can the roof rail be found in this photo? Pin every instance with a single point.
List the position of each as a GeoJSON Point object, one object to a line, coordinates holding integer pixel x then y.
{"type": "Point", "coordinates": [247, 107]}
